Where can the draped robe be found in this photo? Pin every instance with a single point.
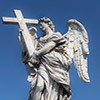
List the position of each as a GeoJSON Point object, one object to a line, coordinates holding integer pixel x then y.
{"type": "Point", "coordinates": [53, 69]}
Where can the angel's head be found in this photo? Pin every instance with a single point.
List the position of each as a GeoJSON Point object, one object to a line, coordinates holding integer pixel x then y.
{"type": "Point", "coordinates": [46, 23]}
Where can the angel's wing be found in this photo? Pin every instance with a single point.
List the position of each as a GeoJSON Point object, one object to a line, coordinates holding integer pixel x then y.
{"type": "Point", "coordinates": [77, 47]}
{"type": "Point", "coordinates": [33, 32]}
{"type": "Point", "coordinates": [33, 35]}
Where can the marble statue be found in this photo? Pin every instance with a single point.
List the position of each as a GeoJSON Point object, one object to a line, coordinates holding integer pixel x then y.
{"type": "Point", "coordinates": [52, 58]}
{"type": "Point", "coordinates": [49, 59]}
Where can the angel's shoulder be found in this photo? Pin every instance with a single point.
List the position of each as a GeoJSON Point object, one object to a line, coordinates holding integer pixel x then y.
{"type": "Point", "coordinates": [56, 35]}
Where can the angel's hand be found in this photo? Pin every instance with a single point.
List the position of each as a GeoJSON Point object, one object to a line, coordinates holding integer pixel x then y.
{"type": "Point", "coordinates": [34, 59]}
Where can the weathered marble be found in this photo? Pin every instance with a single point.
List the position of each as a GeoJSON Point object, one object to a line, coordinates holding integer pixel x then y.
{"type": "Point", "coordinates": [48, 58]}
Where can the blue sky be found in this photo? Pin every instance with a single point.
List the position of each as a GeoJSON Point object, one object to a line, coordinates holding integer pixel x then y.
{"type": "Point", "coordinates": [13, 84]}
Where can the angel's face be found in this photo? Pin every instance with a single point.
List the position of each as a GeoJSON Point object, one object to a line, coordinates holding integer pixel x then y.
{"type": "Point", "coordinates": [44, 27]}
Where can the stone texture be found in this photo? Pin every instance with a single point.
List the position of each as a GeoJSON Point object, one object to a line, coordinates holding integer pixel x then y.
{"type": "Point", "coordinates": [49, 57]}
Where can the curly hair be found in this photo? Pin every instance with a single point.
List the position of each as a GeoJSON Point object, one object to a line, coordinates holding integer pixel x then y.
{"type": "Point", "coordinates": [48, 22]}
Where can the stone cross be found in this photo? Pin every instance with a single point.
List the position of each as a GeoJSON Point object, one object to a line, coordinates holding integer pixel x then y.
{"type": "Point", "coordinates": [23, 22]}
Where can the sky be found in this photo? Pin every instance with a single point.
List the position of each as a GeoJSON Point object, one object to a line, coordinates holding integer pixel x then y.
{"type": "Point", "coordinates": [13, 75]}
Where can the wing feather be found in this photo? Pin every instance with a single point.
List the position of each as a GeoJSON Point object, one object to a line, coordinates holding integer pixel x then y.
{"type": "Point", "coordinates": [80, 48]}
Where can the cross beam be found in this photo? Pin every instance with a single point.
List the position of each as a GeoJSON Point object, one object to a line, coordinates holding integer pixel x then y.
{"type": "Point", "coordinates": [22, 22]}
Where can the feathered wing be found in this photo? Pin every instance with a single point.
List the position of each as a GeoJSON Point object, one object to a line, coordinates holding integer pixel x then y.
{"type": "Point", "coordinates": [77, 43]}
{"type": "Point", "coordinates": [33, 35]}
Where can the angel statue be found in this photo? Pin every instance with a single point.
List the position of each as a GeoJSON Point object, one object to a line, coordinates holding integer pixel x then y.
{"type": "Point", "coordinates": [48, 67]}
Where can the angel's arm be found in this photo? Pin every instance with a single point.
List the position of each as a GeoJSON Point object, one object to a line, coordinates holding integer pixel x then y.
{"type": "Point", "coordinates": [47, 48]}
{"type": "Point", "coordinates": [34, 59]}
{"type": "Point", "coordinates": [55, 41]}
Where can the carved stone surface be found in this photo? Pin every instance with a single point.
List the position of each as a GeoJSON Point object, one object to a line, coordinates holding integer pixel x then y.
{"type": "Point", "coordinates": [48, 60]}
